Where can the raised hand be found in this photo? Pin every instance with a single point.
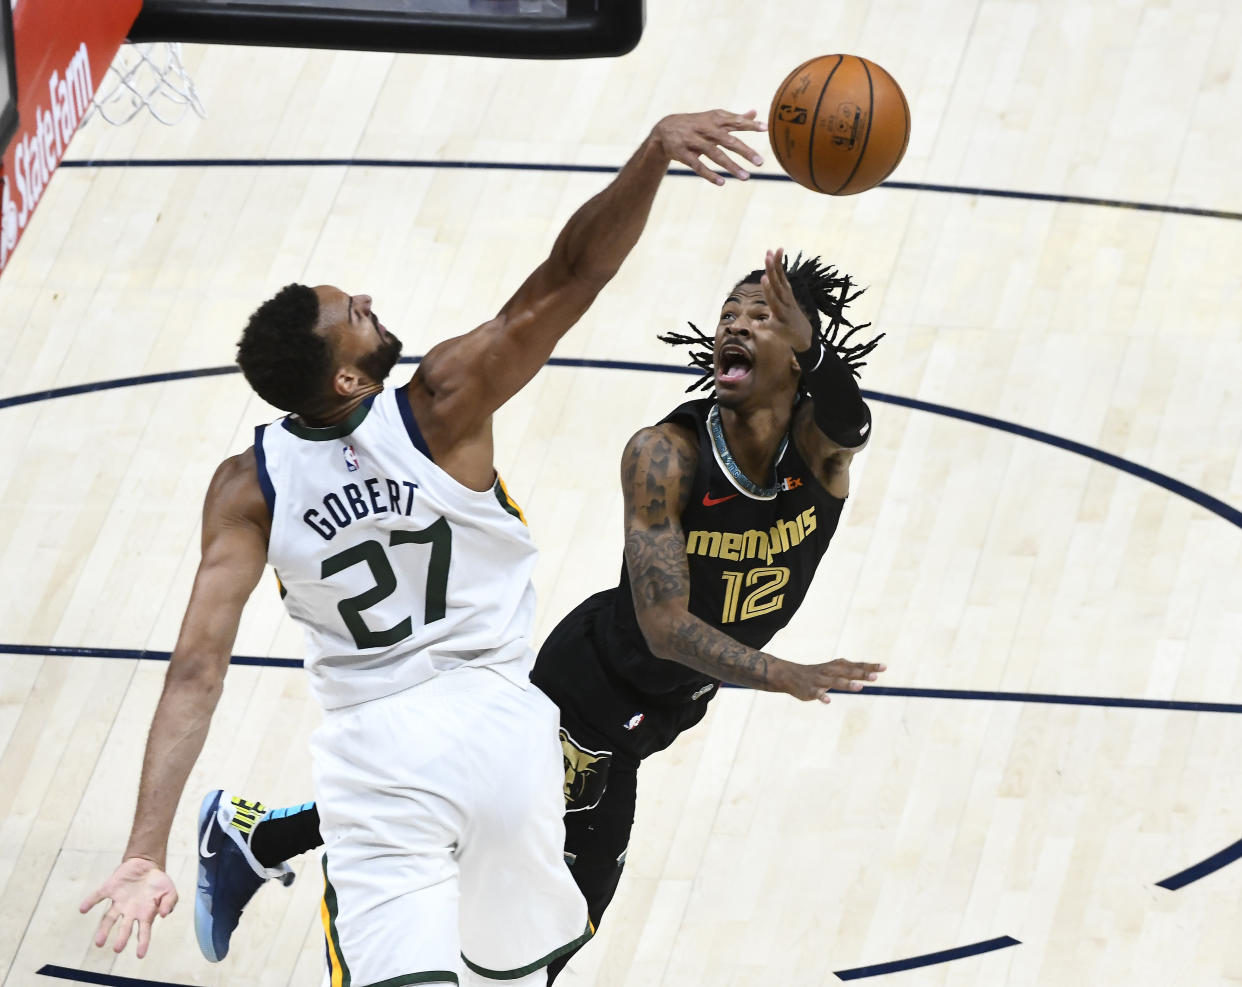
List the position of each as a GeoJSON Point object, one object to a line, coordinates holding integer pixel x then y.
{"type": "Point", "coordinates": [816, 681]}
{"type": "Point", "coordinates": [787, 318]}
{"type": "Point", "coordinates": [690, 137]}
{"type": "Point", "coordinates": [139, 891]}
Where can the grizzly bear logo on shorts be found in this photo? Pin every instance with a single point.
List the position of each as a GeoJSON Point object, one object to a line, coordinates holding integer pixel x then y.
{"type": "Point", "coordinates": [586, 774]}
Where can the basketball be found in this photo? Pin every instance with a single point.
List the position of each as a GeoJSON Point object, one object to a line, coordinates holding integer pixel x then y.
{"type": "Point", "coordinates": [839, 124]}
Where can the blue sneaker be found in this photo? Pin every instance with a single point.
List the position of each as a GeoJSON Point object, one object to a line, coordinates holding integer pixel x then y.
{"type": "Point", "coordinates": [228, 873]}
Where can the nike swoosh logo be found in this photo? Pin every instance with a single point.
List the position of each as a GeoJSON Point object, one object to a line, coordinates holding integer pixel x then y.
{"type": "Point", "coordinates": [710, 501]}
{"type": "Point", "coordinates": [202, 847]}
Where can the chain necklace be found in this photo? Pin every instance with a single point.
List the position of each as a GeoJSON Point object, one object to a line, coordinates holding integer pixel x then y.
{"type": "Point", "coordinates": [725, 458]}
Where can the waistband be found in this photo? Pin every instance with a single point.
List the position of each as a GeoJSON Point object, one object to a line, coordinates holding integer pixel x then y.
{"type": "Point", "coordinates": [456, 681]}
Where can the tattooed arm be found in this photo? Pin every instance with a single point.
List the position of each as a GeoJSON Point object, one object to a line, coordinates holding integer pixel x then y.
{"type": "Point", "coordinates": [657, 470]}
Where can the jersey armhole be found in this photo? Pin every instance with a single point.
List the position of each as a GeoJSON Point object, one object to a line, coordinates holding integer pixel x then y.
{"type": "Point", "coordinates": [411, 423]}
{"type": "Point", "coordinates": [265, 479]}
{"type": "Point", "coordinates": [796, 449]}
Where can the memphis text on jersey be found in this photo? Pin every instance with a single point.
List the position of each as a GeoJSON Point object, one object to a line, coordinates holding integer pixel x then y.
{"type": "Point", "coordinates": [752, 544]}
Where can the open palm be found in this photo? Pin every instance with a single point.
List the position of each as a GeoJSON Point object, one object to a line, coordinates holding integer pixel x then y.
{"type": "Point", "coordinates": [139, 891]}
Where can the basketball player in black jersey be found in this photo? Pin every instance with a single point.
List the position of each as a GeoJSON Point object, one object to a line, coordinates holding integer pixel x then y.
{"type": "Point", "coordinates": [730, 503]}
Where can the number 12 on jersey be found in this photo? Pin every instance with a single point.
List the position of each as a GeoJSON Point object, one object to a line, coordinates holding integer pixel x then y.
{"type": "Point", "coordinates": [371, 553]}
{"type": "Point", "coordinates": [764, 596]}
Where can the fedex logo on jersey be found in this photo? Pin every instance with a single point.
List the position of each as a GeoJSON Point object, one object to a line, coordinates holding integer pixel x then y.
{"type": "Point", "coordinates": [351, 460]}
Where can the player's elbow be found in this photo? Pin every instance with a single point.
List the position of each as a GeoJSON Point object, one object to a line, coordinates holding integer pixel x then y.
{"type": "Point", "coordinates": [579, 266]}
{"type": "Point", "coordinates": [196, 676]}
{"type": "Point", "coordinates": [589, 277]}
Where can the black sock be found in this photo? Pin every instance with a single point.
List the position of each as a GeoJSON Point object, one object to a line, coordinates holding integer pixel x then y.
{"type": "Point", "coordinates": [285, 833]}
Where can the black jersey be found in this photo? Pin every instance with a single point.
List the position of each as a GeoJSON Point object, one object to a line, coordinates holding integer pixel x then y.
{"type": "Point", "coordinates": [752, 558]}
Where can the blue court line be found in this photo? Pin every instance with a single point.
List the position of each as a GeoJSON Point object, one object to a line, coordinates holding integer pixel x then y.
{"type": "Point", "coordinates": [110, 979]}
{"type": "Point", "coordinates": [1203, 868]}
{"type": "Point", "coordinates": [1206, 501]}
{"type": "Point", "coordinates": [1054, 699]}
{"type": "Point", "coordinates": [994, 193]}
{"type": "Point", "coordinates": [1184, 490]}
{"type": "Point", "coordinates": [110, 385]}
{"type": "Point", "coordinates": [140, 654]}
{"type": "Point", "coordinates": [928, 959]}
{"type": "Point", "coordinates": [977, 695]}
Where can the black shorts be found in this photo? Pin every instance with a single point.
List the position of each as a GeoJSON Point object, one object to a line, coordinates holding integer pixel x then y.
{"type": "Point", "coordinates": [600, 709]}
{"type": "Point", "coordinates": [607, 728]}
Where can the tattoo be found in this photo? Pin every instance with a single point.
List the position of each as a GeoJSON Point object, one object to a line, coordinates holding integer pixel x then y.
{"type": "Point", "coordinates": [657, 471]}
{"type": "Point", "coordinates": [657, 568]}
{"type": "Point", "coordinates": [706, 649]}
{"type": "Point", "coordinates": [656, 474]}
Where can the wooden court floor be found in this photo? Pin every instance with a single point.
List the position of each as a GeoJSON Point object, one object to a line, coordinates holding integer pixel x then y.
{"type": "Point", "coordinates": [1049, 505]}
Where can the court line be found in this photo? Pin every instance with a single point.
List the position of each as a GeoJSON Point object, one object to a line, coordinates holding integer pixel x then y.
{"type": "Point", "coordinates": [977, 695]}
{"type": "Point", "coordinates": [994, 193]}
{"type": "Point", "coordinates": [142, 654]}
{"type": "Point", "coordinates": [1054, 699]}
{"type": "Point", "coordinates": [90, 977]}
{"type": "Point", "coordinates": [1184, 490]}
{"type": "Point", "coordinates": [1203, 868]}
{"type": "Point", "coordinates": [111, 385]}
{"type": "Point", "coordinates": [927, 959]}
{"type": "Point", "coordinates": [1193, 494]}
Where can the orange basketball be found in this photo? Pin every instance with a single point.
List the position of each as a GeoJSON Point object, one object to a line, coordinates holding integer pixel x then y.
{"type": "Point", "coordinates": [839, 124]}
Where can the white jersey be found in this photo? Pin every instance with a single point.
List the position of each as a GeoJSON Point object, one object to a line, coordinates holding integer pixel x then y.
{"type": "Point", "coordinates": [394, 569]}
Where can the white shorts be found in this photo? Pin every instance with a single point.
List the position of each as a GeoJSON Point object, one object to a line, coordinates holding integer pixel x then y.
{"type": "Point", "coordinates": [441, 812]}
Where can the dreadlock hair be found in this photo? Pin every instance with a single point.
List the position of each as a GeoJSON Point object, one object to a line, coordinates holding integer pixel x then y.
{"type": "Point", "coordinates": [821, 292]}
{"type": "Point", "coordinates": [287, 363]}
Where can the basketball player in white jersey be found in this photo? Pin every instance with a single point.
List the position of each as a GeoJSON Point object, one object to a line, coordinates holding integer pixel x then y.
{"type": "Point", "coordinates": [438, 768]}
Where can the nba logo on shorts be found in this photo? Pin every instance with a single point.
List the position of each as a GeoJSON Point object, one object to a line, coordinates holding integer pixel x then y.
{"type": "Point", "coordinates": [351, 459]}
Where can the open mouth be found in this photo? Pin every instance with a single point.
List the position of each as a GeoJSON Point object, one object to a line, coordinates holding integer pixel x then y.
{"type": "Point", "coordinates": [733, 365]}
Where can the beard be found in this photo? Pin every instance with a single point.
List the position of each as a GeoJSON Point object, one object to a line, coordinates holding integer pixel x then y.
{"type": "Point", "coordinates": [379, 362]}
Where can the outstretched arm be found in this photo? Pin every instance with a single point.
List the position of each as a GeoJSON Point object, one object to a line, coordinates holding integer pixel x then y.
{"type": "Point", "coordinates": [462, 381]}
{"type": "Point", "coordinates": [657, 469]}
{"type": "Point", "coordinates": [835, 423]}
{"type": "Point", "coordinates": [235, 529]}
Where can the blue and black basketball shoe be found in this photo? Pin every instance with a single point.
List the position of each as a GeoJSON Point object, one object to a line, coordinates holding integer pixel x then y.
{"type": "Point", "coordinates": [228, 873]}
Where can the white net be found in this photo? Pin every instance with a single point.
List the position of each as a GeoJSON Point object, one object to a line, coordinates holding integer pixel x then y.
{"type": "Point", "coordinates": [146, 76]}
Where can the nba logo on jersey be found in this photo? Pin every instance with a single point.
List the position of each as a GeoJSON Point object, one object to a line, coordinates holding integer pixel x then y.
{"type": "Point", "coordinates": [351, 460]}
{"type": "Point", "coordinates": [634, 720]}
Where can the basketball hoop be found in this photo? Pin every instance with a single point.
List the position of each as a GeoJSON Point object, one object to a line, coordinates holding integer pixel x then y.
{"type": "Point", "coordinates": [146, 75]}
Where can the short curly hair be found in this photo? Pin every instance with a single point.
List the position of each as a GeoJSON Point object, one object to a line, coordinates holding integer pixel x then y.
{"type": "Point", "coordinates": [288, 364]}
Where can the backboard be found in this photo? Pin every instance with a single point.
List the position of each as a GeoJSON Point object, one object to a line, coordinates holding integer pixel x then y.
{"type": "Point", "coordinates": [496, 28]}
{"type": "Point", "coordinates": [60, 51]}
